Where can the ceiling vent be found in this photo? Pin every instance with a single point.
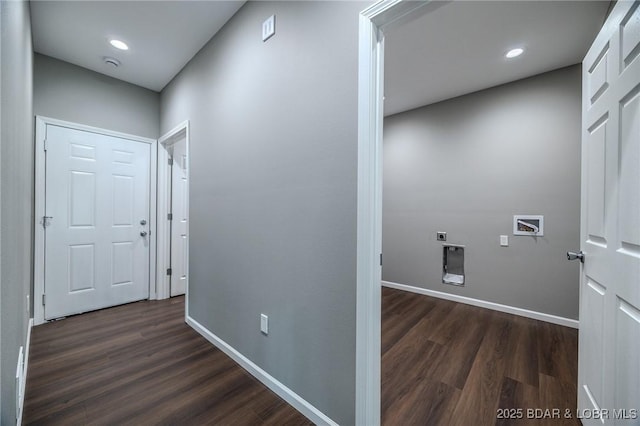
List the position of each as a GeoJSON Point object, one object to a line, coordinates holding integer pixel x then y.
{"type": "Point", "coordinates": [111, 61]}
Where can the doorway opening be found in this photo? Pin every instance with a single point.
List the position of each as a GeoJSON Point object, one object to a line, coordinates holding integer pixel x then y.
{"type": "Point", "coordinates": [375, 24]}
{"type": "Point", "coordinates": [173, 213]}
{"type": "Point", "coordinates": [453, 178]}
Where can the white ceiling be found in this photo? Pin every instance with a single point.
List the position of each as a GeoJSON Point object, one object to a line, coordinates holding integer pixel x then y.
{"type": "Point", "coordinates": [459, 48]}
{"type": "Point", "coordinates": [456, 49]}
{"type": "Point", "coordinates": [162, 35]}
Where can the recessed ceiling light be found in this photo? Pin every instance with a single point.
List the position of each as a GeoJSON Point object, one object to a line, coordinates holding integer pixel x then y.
{"type": "Point", "coordinates": [514, 53]}
{"type": "Point", "coordinates": [118, 44]}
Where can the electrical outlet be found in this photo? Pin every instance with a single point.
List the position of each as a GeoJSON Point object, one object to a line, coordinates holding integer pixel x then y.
{"type": "Point", "coordinates": [441, 236]}
{"type": "Point", "coordinates": [268, 27]}
{"type": "Point", "coordinates": [264, 324]}
{"type": "Point", "coordinates": [504, 240]}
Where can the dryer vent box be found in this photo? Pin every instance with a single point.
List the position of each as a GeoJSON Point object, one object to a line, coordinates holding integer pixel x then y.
{"type": "Point", "coordinates": [453, 264]}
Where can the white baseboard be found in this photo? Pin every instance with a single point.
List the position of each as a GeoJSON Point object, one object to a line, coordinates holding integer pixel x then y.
{"type": "Point", "coordinates": [567, 322]}
{"type": "Point", "coordinates": [297, 402]}
{"type": "Point", "coordinates": [24, 373]}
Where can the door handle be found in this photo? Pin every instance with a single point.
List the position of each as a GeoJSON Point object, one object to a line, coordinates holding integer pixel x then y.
{"type": "Point", "coordinates": [573, 256]}
{"type": "Point", "coordinates": [143, 233]}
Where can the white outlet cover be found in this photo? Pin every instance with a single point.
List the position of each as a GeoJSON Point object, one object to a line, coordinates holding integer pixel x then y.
{"type": "Point", "coordinates": [268, 27]}
{"type": "Point", "coordinates": [504, 240]}
{"type": "Point", "coordinates": [264, 324]}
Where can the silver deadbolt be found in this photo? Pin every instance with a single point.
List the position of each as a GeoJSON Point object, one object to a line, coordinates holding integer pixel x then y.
{"type": "Point", "coordinates": [573, 256]}
{"type": "Point", "coordinates": [143, 222]}
{"type": "Point", "coordinates": [143, 233]}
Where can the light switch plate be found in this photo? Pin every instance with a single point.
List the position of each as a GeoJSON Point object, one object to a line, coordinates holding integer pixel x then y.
{"type": "Point", "coordinates": [268, 27]}
{"type": "Point", "coordinates": [264, 324]}
{"type": "Point", "coordinates": [504, 240]}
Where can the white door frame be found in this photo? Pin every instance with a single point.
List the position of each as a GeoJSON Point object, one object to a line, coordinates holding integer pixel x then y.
{"type": "Point", "coordinates": [164, 192]}
{"type": "Point", "coordinates": [373, 21]}
{"type": "Point", "coordinates": [39, 234]}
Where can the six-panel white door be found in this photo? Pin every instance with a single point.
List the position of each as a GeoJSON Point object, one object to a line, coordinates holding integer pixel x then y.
{"type": "Point", "coordinates": [179, 200]}
{"type": "Point", "coordinates": [96, 239]}
{"type": "Point", "coordinates": [609, 339]}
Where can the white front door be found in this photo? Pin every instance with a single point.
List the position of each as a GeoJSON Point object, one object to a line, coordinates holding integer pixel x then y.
{"type": "Point", "coordinates": [609, 339]}
{"type": "Point", "coordinates": [179, 210]}
{"type": "Point", "coordinates": [96, 238]}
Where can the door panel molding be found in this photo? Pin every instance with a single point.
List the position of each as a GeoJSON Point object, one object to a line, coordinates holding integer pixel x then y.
{"type": "Point", "coordinates": [609, 335]}
{"type": "Point", "coordinates": [40, 185]}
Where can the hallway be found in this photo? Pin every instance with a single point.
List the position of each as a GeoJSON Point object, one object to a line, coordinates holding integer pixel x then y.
{"type": "Point", "coordinates": [443, 363]}
{"type": "Point", "coordinates": [141, 364]}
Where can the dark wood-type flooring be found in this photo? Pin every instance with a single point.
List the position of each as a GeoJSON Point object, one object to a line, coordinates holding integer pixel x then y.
{"type": "Point", "coordinates": [446, 363]}
{"type": "Point", "coordinates": [140, 364]}
{"type": "Point", "coordinates": [443, 363]}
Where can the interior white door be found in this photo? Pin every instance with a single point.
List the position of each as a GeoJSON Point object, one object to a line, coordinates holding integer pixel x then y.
{"type": "Point", "coordinates": [609, 337]}
{"type": "Point", "coordinates": [179, 209]}
{"type": "Point", "coordinates": [96, 239]}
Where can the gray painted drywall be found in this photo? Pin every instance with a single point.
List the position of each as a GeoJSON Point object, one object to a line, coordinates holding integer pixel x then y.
{"type": "Point", "coordinates": [16, 189]}
{"type": "Point", "coordinates": [273, 192]}
{"type": "Point", "coordinates": [466, 166]}
{"type": "Point", "coordinates": [71, 93]}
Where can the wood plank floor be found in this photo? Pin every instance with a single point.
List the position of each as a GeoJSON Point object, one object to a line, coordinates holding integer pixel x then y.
{"type": "Point", "coordinates": [443, 363]}
{"type": "Point", "coordinates": [446, 363]}
{"type": "Point", "coordinates": [140, 364]}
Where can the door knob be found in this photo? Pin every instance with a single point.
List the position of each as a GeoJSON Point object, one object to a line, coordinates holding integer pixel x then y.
{"type": "Point", "coordinates": [143, 222]}
{"type": "Point", "coordinates": [143, 233]}
{"type": "Point", "coordinates": [573, 256]}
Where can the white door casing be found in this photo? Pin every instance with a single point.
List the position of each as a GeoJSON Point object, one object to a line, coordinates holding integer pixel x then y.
{"type": "Point", "coordinates": [373, 21]}
{"type": "Point", "coordinates": [86, 153]}
{"type": "Point", "coordinates": [609, 336]}
{"type": "Point", "coordinates": [179, 134]}
{"type": "Point", "coordinates": [179, 241]}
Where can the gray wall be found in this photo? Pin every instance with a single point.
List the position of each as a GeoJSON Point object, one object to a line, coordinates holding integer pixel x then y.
{"type": "Point", "coordinates": [16, 190]}
{"type": "Point", "coordinates": [466, 166]}
{"type": "Point", "coordinates": [68, 92]}
{"type": "Point", "coordinates": [273, 192]}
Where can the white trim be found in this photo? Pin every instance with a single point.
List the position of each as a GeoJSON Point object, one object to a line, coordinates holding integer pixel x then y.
{"type": "Point", "coordinates": [541, 316]}
{"type": "Point", "coordinates": [295, 400]}
{"type": "Point", "coordinates": [25, 371]}
{"type": "Point", "coordinates": [40, 160]}
{"type": "Point", "coordinates": [38, 234]}
{"type": "Point", "coordinates": [164, 228]}
{"type": "Point", "coordinates": [153, 207]}
{"type": "Point", "coordinates": [98, 130]}
{"type": "Point", "coordinates": [174, 134]}
{"type": "Point", "coordinates": [369, 211]}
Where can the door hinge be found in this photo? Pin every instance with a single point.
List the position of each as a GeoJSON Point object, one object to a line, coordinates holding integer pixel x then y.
{"type": "Point", "coordinates": [168, 271]}
{"type": "Point", "coordinates": [380, 259]}
{"type": "Point", "coordinates": [171, 161]}
{"type": "Point", "coordinates": [45, 144]}
{"type": "Point", "coordinates": [46, 221]}
{"type": "Point", "coordinates": [43, 299]}
{"type": "Point", "coordinates": [169, 216]}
